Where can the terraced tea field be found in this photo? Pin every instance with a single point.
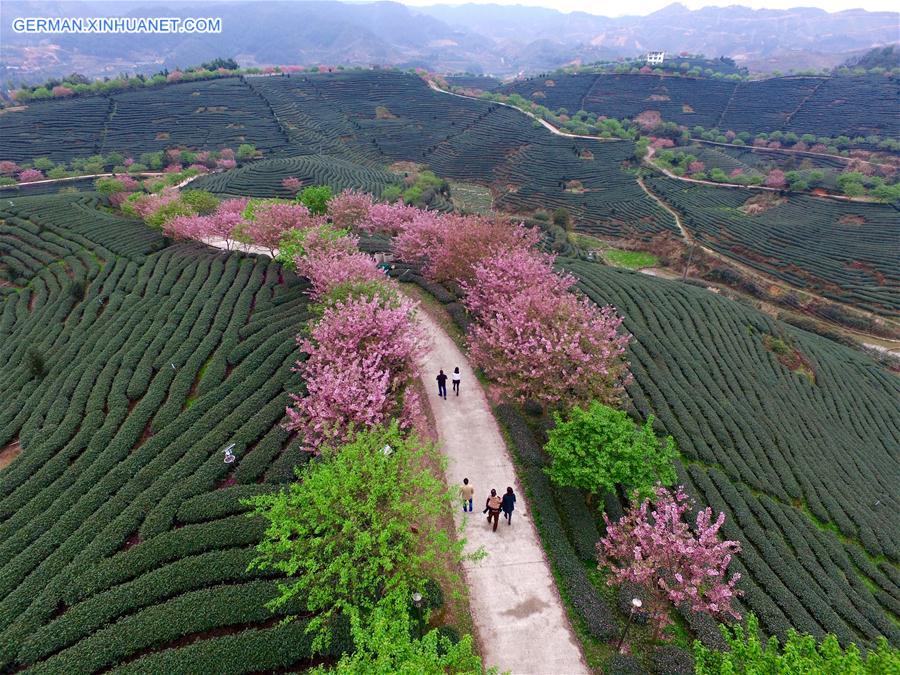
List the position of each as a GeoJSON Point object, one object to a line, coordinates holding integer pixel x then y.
{"type": "Point", "coordinates": [202, 115]}
{"type": "Point", "coordinates": [128, 366]}
{"type": "Point", "coordinates": [825, 106]}
{"type": "Point", "coordinates": [843, 251]}
{"type": "Point", "coordinates": [263, 178]}
{"type": "Point", "coordinates": [803, 463]}
{"type": "Point", "coordinates": [384, 117]}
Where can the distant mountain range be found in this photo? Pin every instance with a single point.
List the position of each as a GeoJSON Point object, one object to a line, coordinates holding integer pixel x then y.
{"type": "Point", "coordinates": [492, 39]}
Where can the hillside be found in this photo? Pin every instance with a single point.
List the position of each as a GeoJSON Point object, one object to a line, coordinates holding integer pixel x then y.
{"type": "Point", "coordinates": [792, 436]}
{"type": "Point", "coordinates": [824, 106]}
{"type": "Point", "coordinates": [121, 528]}
{"type": "Point", "coordinates": [125, 542]}
{"type": "Point", "coordinates": [349, 129]}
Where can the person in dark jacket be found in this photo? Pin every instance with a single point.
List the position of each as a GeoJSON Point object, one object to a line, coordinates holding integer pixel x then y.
{"type": "Point", "coordinates": [442, 385]}
{"type": "Point", "coordinates": [508, 504]}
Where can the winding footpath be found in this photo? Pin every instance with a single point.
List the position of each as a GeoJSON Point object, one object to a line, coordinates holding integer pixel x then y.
{"type": "Point", "coordinates": [519, 618]}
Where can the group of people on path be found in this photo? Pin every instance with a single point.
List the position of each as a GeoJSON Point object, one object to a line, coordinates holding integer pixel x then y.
{"type": "Point", "coordinates": [442, 383]}
{"type": "Point", "coordinates": [494, 504]}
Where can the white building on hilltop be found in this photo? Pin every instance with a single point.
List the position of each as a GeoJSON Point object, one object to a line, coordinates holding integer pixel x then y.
{"type": "Point", "coordinates": [655, 58]}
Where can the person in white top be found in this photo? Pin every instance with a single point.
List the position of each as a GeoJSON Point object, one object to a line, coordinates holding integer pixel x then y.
{"type": "Point", "coordinates": [456, 378]}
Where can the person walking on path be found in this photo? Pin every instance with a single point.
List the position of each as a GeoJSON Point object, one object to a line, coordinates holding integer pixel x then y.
{"type": "Point", "coordinates": [508, 504]}
{"type": "Point", "coordinates": [456, 378]}
{"type": "Point", "coordinates": [492, 508]}
{"type": "Point", "coordinates": [442, 385]}
{"type": "Point", "coordinates": [467, 492]}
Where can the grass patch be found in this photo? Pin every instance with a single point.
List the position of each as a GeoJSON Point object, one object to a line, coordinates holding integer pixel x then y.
{"type": "Point", "coordinates": [633, 260]}
{"type": "Point", "coordinates": [471, 197]}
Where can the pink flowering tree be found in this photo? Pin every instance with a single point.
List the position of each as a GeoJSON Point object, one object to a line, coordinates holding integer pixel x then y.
{"type": "Point", "coordinates": [388, 219]}
{"type": "Point", "coordinates": [60, 91]}
{"type": "Point", "coordinates": [326, 270]}
{"type": "Point", "coordinates": [653, 546]}
{"type": "Point", "coordinates": [362, 358]}
{"type": "Point", "coordinates": [30, 175]}
{"type": "Point", "coordinates": [292, 184]}
{"type": "Point", "coordinates": [776, 179]}
{"type": "Point", "coordinates": [349, 208]}
{"type": "Point", "coordinates": [555, 350]}
{"type": "Point", "coordinates": [696, 167]}
{"type": "Point", "coordinates": [8, 168]}
{"type": "Point", "coordinates": [146, 205]}
{"type": "Point", "coordinates": [268, 221]}
{"type": "Point", "coordinates": [451, 246]}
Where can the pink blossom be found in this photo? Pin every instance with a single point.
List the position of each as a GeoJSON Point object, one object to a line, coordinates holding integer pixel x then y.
{"type": "Point", "coordinates": [129, 184]}
{"type": "Point", "coordinates": [60, 91]}
{"type": "Point", "coordinates": [328, 269]}
{"type": "Point", "coordinates": [349, 208]}
{"type": "Point", "coordinates": [225, 164]}
{"type": "Point", "coordinates": [696, 167]}
{"type": "Point", "coordinates": [146, 205]}
{"type": "Point", "coordinates": [30, 175]}
{"type": "Point", "coordinates": [654, 547]}
{"type": "Point", "coordinates": [388, 218]}
{"type": "Point", "coordinates": [172, 168]}
{"type": "Point", "coordinates": [776, 179]}
{"type": "Point", "coordinates": [175, 76]}
{"type": "Point", "coordinates": [273, 219]}
{"type": "Point", "coordinates": [362, 357]}
{"type": "Point", "coordinates": [8, 168]}
{"type": "Point", "coordinates": [128, 161]}
{"type": "Point", "coordinates": [292, 184]}
{"type": "Point", "coordinates": [451, 246]}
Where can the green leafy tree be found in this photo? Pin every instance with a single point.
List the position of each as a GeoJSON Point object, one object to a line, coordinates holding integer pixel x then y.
{"type": "Point", "coordinates": [201, 201]}
{"type": "Point", "coordinates": [799, 654]}
{"type": "Point", "coordinates": [561, 218]}
{"type": "Point", "coordinates": [385, 644]}
{"type": "Point", "coordinates": [293, 244]}
{"type": "Point", "coordinates": [108, 186]}
{"type": "Point", "coordinates": [246, 151]}
{"type": "Point", "coordinates": [601, 448]}
{"type": "Point", "coordinates": [43, 163]}
{"type": "Point", "coordinates": [315, 198]}
{"type": "Point", "coordinates": [363, 520]}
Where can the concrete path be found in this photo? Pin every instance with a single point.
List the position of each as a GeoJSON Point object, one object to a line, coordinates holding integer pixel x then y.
{"type": "Point", "coordinates": [519, 617]}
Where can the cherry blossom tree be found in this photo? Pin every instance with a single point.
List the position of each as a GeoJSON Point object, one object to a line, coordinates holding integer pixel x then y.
{"type": "Point", "coordinates": [8, 168]}
{"type": "Point", "coordinates": [59, 91]}
{"type": "Point", "coordinates": [30, 175]}
{"type": "Point", "coordinates": [506, 274]}
{"type": "Point", "coordinates": [451, 246]}
{"type": "Point", "coordinates": [349, 208]}
{"type": "Point", "coordinates": [388, 219]}
{"type": "Point", "coordinates": [696, 167]}
{"type": "Point", "coordinates": [653, 546]}
{"type": "Point", "coordinates": [328, 269]}
{"type": "Point", "coordinates": [271, 220]}
{"type": "Point", "coordinates": [292, 184]}
{"type": "Point", "coordinates": [362, 358]}
{"type": "Point", "coordinates": [776, 179]}
{"type": "Point", "coordinates": [554, 350]}
{"type": "Point", "coordinates": [146, 205]}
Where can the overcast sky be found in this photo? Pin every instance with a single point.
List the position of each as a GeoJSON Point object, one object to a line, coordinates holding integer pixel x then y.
{"type": "Point", "coordinates": [619, 8]}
